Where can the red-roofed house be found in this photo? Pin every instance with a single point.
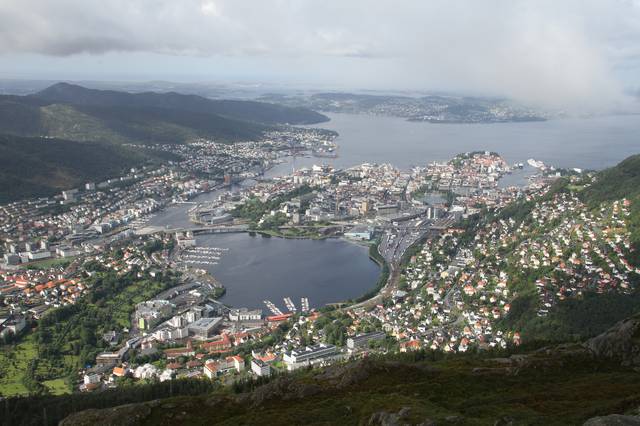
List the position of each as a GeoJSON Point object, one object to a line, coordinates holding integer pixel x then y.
{"type": "Point", "coordinates": [120, 371]}
{"type": "Point", "coordinates": [221, 345]}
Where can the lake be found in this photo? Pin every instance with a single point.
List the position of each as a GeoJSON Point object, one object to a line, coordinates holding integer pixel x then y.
{"type": "Point", "coordinates": [258, 268]}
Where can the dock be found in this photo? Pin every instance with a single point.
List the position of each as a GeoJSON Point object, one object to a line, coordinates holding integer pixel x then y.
{"type": "Point", "coordinates": [304, 304]}
{"type": "Point", "coordinates": [290, 306]}
{"type": "Point", "coordinates": [273, 308]}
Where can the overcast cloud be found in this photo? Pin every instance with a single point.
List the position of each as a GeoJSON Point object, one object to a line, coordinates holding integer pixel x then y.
{"type": "Point", "coordinates": [558, 53]}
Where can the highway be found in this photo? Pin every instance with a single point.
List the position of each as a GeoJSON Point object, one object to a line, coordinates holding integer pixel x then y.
{"type": "Point", "coordinates": [395, 241]}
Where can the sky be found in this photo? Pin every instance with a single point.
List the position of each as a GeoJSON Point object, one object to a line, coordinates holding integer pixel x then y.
{"type": "Point", "coordinates": [561, 53]}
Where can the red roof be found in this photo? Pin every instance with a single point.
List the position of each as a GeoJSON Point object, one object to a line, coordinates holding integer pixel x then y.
{"type": "Point", "coordinates": [223, 342]}
{"type": "Point", "coordinates": [119, 371]}
{"type": "Point", "coordinates": [267, 357]}
{"type": "Point", "coordinates": [279, 317]}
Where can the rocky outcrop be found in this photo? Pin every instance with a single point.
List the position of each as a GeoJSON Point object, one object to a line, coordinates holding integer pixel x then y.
{"type": "Point", "coordinates": [621, 342]}
{"type": "Point", "coordinates": [124, 415]}
{"type": "Point", "coordinates": [385, 418]}
{"type": "Point", "coordinates": [614, 420]}
{"type": "Point", "coordinates": [283, 388]}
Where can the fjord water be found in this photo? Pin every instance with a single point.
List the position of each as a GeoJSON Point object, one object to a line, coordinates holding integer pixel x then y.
{"type": "Point", "coordinates": [257, 268]}
{"type": "Point", "coordinates": [588, 143]}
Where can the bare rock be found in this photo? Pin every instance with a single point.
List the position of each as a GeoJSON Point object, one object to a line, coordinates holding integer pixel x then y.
{"type": "Point", "coordinates": [124, 415]}
{"type": "Point", "coordinates": [283, 388]}
{"type": "Point", "coordinates": [621, 342]}
{"type": "Point", "coordinates": [384, 418]}
{"type": "Point", "coordinates": [613, 420]}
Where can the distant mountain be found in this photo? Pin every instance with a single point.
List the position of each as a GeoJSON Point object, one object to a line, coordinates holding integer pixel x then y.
{"type": "Point", "coordinates": [259, 112]}
{"type": "Point", "coordinates": [72, 112]}
{"type": "Point", "coordinates": [33, 167]}
{"type": "Point", "coordinates": [432, 108]}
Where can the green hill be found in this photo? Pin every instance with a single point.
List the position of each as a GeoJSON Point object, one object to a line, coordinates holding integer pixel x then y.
{"type": "Point", "coordinates": [118, 124]}
{"type": "Point", "coordinates": [72, 112]}
{"type": "Point", "coordinates": [616, 182]}
{"type": "Point", "coordinates": [31, 167]}
{"type": "Point", "coordinates": [259, 112]}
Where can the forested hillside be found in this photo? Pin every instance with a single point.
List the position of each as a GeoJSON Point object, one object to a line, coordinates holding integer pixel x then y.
{"type": "Point", "coordinates": [31, 167]}
{"type": "Point", "coordinates": [258, 112]}
{"type": "Point", "coordinates": [73, 112]}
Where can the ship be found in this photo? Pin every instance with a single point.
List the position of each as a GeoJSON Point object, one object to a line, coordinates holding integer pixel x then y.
{"type": "Point", "coordinates": [535, 163]}
{"type": "Point", "coordinates": [325, 154]}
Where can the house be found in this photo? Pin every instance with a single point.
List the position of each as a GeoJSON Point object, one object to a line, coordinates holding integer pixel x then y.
{"type": "Point", "coordinates": [220, 345]}
{"type": "Point", "coordinates": [268, 357]}
{"type": "Point", "coordinates": [411, 345]}
{"type": "Point", "coordinates": [211, 369]}
{"type": "Point", "coordinates": [146, 371]}
{"type": "Point", "coordinates": [194, 364]}
{"type": "Point", "coordinates": [238, 362]}
{"type": "Point", "coordinates": [174, 366]}
{"type": "Point", "coordinates": [12, 325]}
{"type": "Point", "coordinates": [91, 378]}
{"type": "Point", "coordinates": [217, 368]}
{"type": "Point", "coordinates": [260, 368]}
{"type": "Point", "coordinates": [362, 340]}
{"type": "Point", "coordinates": [120, 371]}
{"type": "Point", "coordinates": [178, 352]}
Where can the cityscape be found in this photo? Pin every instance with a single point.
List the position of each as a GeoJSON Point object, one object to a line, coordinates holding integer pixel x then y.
{"type": "Point", "coordinates": [360, 213]}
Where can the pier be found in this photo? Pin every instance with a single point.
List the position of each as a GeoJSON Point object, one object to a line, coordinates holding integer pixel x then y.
{"type": "Point", "coordinates": [273, 308]}
{"type": "Point", "coordinates": [290, 306]}
{"type": "Point", "coordinates": [304, 304]}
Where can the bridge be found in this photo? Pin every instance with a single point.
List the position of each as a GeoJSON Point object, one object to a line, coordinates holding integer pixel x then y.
{"type": "Point", "coordinates": [427, 225]}
{"type": "Point", "coordinates": [197, 230]}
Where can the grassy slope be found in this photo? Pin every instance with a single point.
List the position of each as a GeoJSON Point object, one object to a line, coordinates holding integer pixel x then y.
{"type": "Point", "coordinates": [13, 364]}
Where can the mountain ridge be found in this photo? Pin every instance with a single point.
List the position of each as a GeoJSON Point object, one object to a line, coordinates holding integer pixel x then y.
{"type": "Point", "coordinates": [73, 112]}
{"type": "Point", "coordinates": [260, 112]}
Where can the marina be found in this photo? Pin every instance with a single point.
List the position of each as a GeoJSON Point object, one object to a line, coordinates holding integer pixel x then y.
{"type": "Point", "coordinates": [304, 304]}
{"type": "Point", "coordinates": [273, 308]}
{"type": "Point", "coordinates": [202, 255]}
{"type": "Point", "coordinates": [289, 304]}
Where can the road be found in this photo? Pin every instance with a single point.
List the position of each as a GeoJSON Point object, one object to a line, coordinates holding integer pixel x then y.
{"type": "Point", "coordinates": [394, 243]}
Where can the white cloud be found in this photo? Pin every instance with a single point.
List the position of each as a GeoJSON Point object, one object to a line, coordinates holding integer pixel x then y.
{"type": "Point", "coordinates": [560, 53]}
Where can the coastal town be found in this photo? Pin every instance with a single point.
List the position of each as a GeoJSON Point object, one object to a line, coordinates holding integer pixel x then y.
{"type": "Point", "coordinates": [108, 299]}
